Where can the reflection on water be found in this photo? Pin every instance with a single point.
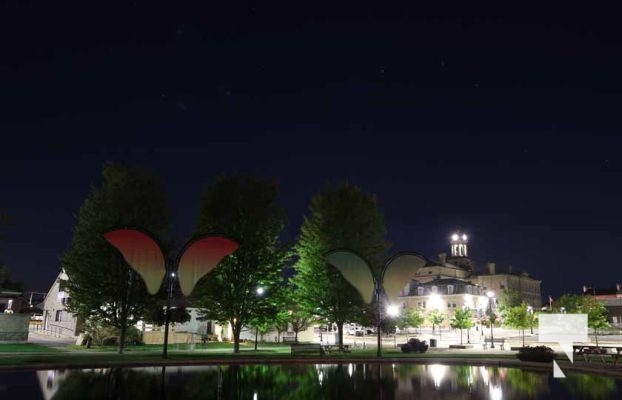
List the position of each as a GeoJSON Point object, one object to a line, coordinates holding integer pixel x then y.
{"type": "Point", "coordinates": [322, 381]}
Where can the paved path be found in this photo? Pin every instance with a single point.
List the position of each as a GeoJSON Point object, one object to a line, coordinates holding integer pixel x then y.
{"type": "Point", "coordinates": [50, 341]}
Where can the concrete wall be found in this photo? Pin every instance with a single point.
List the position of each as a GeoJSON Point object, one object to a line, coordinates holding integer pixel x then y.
{"type": "Point", "coordinates": [14, 327]}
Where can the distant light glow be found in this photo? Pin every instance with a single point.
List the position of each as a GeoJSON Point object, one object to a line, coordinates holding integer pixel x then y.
{"type": "Point", "coordinates": [464, 237]}
{"type": "Point", "coordinates": [455, 237]}
{"type": "Point", "coordinates": [393, 310]}
{"type": "Point", "coordinates": [260, 290]}
{"type": "Point", "coordinates": [435, 301]}
{"type": "Point", "coordinates": [490, 294]}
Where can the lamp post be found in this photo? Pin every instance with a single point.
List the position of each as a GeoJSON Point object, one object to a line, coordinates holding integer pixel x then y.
{"type": "Point", "coordinates": [490, 295]}
{"type": "Point", "coordinates": [393, 311]}
{"type": "Point", "coordinates": [260, 292]}
{"type": "Point", "coordinates": [167, 314]}
{"type": "Point", "coordinates": [145, 255]}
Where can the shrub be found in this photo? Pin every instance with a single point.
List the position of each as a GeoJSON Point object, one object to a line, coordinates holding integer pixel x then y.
{"type": "Point", "coordinates": [133, 336]}
{"type": "Point", "coordinates": [111, 341]}
{"type": "Point", "coordinates": [536, 353]}
{"type": "Point", "coordinates": [415, 345]}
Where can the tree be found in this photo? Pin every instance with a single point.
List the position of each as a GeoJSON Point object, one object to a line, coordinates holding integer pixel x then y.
{"type": "Point", "coordinates": [246, 209]}
{"type": "Point", "coordinates": [518, 317]}
{"type": "Point", "coordinates": [300, 320]}
{"type": "Point", "coordinates": [340, 217]}
{"type": "Point", "coordinates": [101, 284]}
{"type": "Point", "coordinates": [436, 318]}
{"type": "Point", "coordinates": [462, 319]}
{"type": "Point", "coordinates": [411, 318]}
{"type": "Point", "coordinates": [508, 298]}
{"type": "Point", "coordinates": [584, 304]}
{"type": "Point", "coordinates": [596, 314]}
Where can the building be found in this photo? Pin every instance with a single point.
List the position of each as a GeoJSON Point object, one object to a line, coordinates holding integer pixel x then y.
{"type": "Point", "coordinates": [611, 299]}
{"type": "Point", "coordinates": [57, 321]}
{"type": "Point", "coordinates": [453, 282]}
{"type": "Point", "coordinates": [524, 285]}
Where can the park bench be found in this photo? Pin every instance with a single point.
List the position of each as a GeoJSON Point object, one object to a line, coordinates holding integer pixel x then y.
{"type": "Point", "coordinates": [289, 339]}
{"type": "Point", "coordinates": [501, 343]}
{"type": "Point", "coordinates": [307, 348]}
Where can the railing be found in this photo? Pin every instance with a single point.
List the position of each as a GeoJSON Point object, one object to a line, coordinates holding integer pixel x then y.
{"type": "Point", "coordinates": [52, 330]}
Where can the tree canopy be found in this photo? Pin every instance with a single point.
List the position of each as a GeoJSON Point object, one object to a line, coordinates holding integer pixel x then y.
{"type": "Point", "coordinates": [462, 319]}
{"type": "Point", "coordinates": [245, 208]}
{"type": "Point", "coordinates": [101, 284]}
{"type": "Point", "coordinates": [340, 217]}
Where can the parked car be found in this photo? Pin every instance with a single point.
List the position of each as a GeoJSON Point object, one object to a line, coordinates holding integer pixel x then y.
{"type": "Point", "coordinates": [414, 344]}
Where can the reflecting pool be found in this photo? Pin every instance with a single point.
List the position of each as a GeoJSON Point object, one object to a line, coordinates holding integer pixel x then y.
{"type": "Point", "coordinates": [303, 381]}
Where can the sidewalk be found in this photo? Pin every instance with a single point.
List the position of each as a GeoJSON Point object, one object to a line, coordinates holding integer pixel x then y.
{"type": "Point", "coordinates": [50, 341]}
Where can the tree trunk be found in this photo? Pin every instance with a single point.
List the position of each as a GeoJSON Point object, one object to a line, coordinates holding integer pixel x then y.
{"type": "Point", "coordinates": [122, 337]}
{"type": "Point", "coordinates": [340, 333]}
{"type": "Point", "coordinates": [596, 336]}
{"type": "Point", "coordinates": [237, 327]}
{"type": "Point", "coordinates": [523, 337]}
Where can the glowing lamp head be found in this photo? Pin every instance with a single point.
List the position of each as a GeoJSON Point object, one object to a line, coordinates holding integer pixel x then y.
{"type": "Point", "coordinates": [455, 237]}
{"type": "Point", "coordinates": [260, 290]}
{"type": "Point", "coordinates": [490, 294]}
{"type": "Point", "coordinates": [464, 237]}
{"type": "Point", "coordinates": [393, 310]}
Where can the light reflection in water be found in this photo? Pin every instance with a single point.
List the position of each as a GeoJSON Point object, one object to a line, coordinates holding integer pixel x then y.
{"type": "Point", "coordinates": [438, 372]}
{"type": "Point", "coordinates": [484, 373]}
{"type": "Point", "coordinates": [387, 381]}
{"type": "Point", "coordinates": [495, 392]}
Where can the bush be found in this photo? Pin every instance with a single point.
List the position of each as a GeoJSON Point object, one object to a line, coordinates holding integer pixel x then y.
{"type": "Point", "coordinates": [536, 354]}
{"type": "Point", "coordinates": [111, 341]}
{"type": "Point", "coordinates": [415, 345]}
{"type": "Point", "coordinates": [133, 336]}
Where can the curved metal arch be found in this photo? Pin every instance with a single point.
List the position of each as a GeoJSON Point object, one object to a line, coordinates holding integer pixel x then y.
{"type": "Point", "coordinates": [355, 269]}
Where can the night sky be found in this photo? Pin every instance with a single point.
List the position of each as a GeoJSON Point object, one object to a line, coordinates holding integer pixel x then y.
{"type": "Point", "coordinates": [502, 123]}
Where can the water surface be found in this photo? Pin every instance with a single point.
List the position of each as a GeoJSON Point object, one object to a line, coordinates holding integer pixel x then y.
{"type": "Point", "coordinates": [324, 381]}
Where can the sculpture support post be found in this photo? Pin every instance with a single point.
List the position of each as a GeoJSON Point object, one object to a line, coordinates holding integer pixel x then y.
{"type": "Point", "coordinates": [167, 314]}
{"type": "Point", "coordinates": [379, 352]}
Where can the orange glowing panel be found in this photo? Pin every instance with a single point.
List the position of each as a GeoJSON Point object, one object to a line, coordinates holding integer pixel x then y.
{"type": "Point", "coordinates": [142, 253]}
{"type": "Point", "coordinates": [200, 257]}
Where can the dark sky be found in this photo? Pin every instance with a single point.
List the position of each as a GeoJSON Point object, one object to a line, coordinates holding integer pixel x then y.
{"type": "Point", "coordinates": [504, 123]}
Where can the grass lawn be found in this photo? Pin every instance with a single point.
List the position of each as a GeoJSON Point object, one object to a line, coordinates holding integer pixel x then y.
{"type": "Point", "coordinates": [25, 348]}
{"type": "Point", "coordinates": [80, 356]}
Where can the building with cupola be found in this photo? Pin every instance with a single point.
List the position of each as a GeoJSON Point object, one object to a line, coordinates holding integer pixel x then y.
{"type": "Point", "coordinates": [453, 281]}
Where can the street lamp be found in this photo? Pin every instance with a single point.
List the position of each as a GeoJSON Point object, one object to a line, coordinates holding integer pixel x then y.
{"type": "Point", "coordinates": [393, 311]}
{"type": "Point", "coordinates": [167, 314]}
{"type": "Point", "coordinates": [490, 295]}
{"type": "Point", "coordinates": [260, 292]}
{"type": "Point", "coordinates": [145, 255]}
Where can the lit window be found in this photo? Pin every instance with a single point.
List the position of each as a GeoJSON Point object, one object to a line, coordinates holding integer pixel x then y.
{"type": "Point", "coordinates": [450, 289]}
{"type": "Point", "coordinates": [420, 291]}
